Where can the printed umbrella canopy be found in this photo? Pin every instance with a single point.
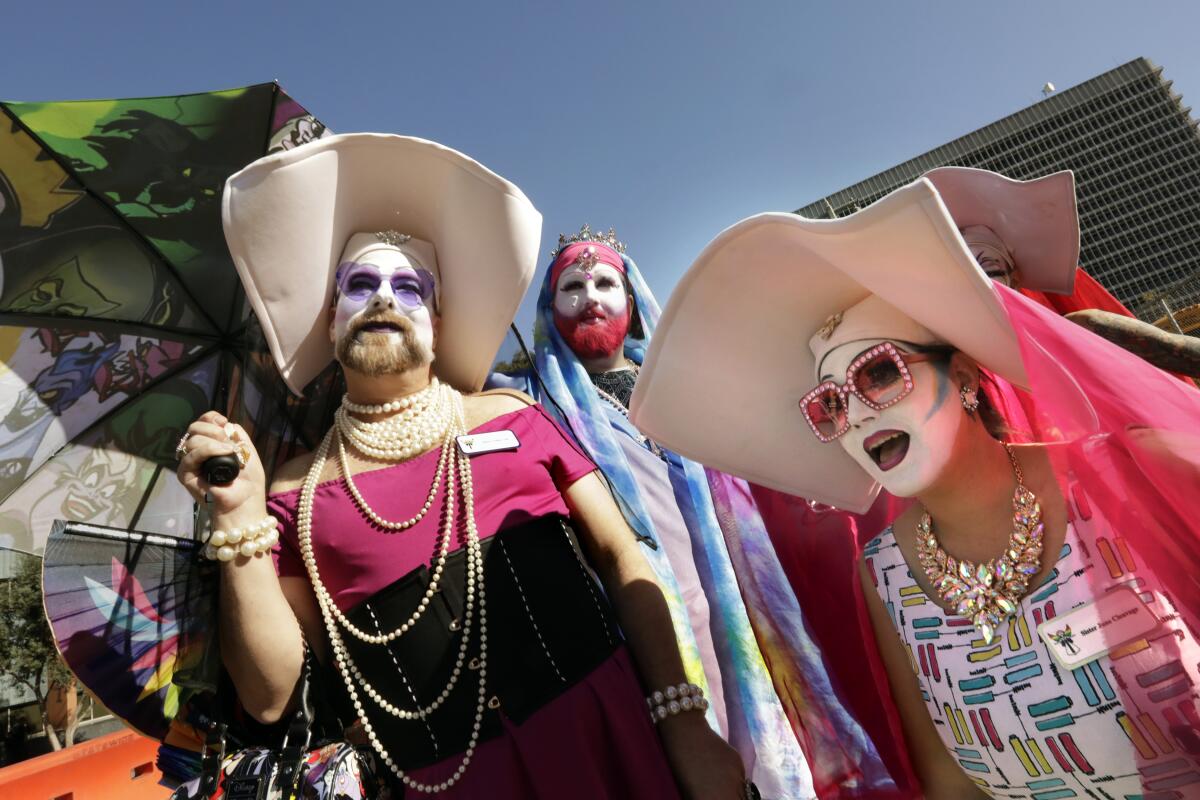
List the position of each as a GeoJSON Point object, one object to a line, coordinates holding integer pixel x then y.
{"type": "Point", "coordinates": [121, 316]}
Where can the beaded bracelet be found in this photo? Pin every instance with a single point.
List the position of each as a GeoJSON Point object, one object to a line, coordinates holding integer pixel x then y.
{"type": "Point", "coordinates": [248, 541]}
{"type": "Point", "coordinates": [674, 699]}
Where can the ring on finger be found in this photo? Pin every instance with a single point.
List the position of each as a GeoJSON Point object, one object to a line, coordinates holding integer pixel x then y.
{"type": "Point", "coordinates": [181, 448]}
{"type": "Point", "coordinates": [242, 451]}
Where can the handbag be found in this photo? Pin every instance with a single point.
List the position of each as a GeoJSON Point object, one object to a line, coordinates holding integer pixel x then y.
{"type": "Point", "coordinates": [296, 770]}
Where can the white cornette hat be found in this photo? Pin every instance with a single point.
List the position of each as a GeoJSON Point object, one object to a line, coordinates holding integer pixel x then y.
{"type": "Point", "coordinates": [748, 307]}
{"type": "Point", "coordinates": [1037, 220]}
{"type": "Point", "coordinates": [288, 216]}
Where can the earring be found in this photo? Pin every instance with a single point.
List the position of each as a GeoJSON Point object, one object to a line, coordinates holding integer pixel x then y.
{"type": "Point", "coordinates": [970, 399]}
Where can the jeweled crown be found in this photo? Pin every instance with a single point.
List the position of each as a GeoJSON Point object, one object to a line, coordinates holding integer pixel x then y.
{"type": "Point", "coordinates": [586, 234]}
{"type": "Point", "coordinates": [392, 238]}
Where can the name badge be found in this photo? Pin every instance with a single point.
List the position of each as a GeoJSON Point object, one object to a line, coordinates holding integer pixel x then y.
{"type": "Point", "coordinates": [1089, 632]}
{"type": "Point", "coordinates": [474, 444]}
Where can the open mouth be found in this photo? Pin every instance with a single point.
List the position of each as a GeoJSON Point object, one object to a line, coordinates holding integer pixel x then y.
{"type": "Point", "coordinates": [79, 508]}
{"type": "Point", "coordinates": [381, 327]}
{"type": "Point", "coordinates": [887, 448]}
{"type": "Point", "coordinates": [589, 318]}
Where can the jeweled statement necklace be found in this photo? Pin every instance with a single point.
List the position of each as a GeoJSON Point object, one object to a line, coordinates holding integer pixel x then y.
{"type": "Point", "coordinates": [987, 594]}
{"type": "Point", "coordinates": [617, 383]}
{"type": "Point", "coordinates": [436, 414]}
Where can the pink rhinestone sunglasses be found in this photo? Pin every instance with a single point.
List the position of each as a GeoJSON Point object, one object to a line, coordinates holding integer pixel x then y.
{"type": "Point", "coordinates": [879, 377]}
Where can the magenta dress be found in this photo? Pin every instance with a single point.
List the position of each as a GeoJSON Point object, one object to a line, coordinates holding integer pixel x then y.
{"type": "Point", "coordinates": [595, 739]}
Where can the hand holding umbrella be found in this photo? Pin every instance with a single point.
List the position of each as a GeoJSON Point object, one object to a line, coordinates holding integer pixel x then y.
{"type": "Point", "coordinates": [212, 437]}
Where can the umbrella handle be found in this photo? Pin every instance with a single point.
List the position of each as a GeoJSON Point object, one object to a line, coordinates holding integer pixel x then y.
{"type": "Point", "coordinates": [221, 470]}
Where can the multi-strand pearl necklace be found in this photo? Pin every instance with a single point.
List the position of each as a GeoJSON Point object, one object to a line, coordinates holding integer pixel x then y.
{"type": "Point", "coordinates": [459, 472]}
{"type": "Point", "coordinates": [418, 427]}
{"type": "Point", "coordinates": [388, 440]}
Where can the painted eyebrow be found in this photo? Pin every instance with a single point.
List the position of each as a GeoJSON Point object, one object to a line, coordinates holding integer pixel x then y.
{"type": "Point", "coordinates": [827, 375]}
{"type": "Point", "coordinates": [901, 346]}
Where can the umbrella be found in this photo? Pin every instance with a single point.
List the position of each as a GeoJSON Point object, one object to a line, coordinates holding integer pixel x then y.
{"type": "Point", "coordinates": [121, 316]}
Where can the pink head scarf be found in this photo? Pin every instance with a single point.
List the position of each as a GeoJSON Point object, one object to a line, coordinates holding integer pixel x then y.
{"type": "Point", "coordinates": [598, 253]}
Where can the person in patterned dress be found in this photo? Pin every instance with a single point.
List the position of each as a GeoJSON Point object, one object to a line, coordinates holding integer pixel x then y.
{"type": "Point", "coordinates": [1035, 606]}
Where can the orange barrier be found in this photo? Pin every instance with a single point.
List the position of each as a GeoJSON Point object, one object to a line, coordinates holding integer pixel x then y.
{"type": "Point", "coordinates": [119, 766]}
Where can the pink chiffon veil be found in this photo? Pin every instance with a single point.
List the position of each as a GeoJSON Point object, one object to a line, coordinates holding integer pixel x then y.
{"type": "Point", "coordinates": [1125, 431]}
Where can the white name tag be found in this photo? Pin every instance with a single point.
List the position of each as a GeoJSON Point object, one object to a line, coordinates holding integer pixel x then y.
{"type": "Point", "coordinates": [1086, 633]}
{"type": "Point", "coordinates": [473, 444]}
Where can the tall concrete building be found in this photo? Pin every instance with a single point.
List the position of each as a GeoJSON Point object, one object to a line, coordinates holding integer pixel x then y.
{"type": "Point", "coordinates": [1135, 151]}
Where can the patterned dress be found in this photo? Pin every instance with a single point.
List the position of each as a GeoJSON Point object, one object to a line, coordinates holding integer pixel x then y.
{"type": "Point", "coordinates": [1126, 725]}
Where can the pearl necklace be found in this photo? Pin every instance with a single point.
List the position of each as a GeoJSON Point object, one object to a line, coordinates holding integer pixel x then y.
{"type": "Point", "coordinates": [398, 438]}
{"type": "Point", "coordinates": [987, 594]}
{"type": "Point", "coordinates": [361, 502]}
{"type": "Point", "coordinates": [422, 397]}
{"type": "Point", "coordinates": [388, 438]}
{"type": "Point", "coordinates": [304, 528]}
{"type": "Point", "coordinates": [332, 615]}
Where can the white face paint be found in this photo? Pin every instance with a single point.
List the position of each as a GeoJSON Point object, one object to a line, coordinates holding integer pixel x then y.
{"type": "Point", "coordinates": [383, 304]}
{"type": "Point", "coordinates": [996, 269]}
{"type": "Point", "coordinates": [917, 434]}
{"type": "Point", "coordinates": [581, 289]}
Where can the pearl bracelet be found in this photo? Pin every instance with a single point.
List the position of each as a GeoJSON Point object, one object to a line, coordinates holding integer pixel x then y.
{"type": "Point", "coordinates": [248, 541]}
{"type": "Point", "coordinates": [674, 699]}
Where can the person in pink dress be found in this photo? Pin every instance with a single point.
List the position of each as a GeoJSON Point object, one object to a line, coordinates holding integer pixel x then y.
{"type": "Point", "coordinates": [439, 551]}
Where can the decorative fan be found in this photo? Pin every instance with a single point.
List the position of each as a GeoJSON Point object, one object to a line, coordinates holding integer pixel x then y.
{"type": "Point", "coordinates": [133, 616]}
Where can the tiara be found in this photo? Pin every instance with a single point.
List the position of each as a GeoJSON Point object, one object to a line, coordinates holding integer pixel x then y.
{"type": "Point", "coordinates": [831, 325]}
{"type": "Point", "coordinates": [392, 238]}
{"type": "Point", "coordinates": [587, 235]}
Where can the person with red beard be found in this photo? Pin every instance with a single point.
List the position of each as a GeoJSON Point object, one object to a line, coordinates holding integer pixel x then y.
{"type": "Point", "coordinates": [595, 316]}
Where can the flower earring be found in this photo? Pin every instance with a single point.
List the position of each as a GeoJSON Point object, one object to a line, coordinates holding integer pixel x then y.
{"type": "Point", "coordinates": [970, 399]}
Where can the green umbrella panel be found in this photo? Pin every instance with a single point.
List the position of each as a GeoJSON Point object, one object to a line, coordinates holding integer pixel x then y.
{"type": "Point", "coordinates": [121, 315]}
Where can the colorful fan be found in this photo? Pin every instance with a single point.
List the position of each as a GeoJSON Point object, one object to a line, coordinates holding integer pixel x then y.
{"type": "Point", "coordinates": [132, 615]}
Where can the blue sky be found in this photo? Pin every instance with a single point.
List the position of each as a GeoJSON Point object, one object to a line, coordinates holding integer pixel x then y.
{"type": "Point", "coordinates": [668, 120]}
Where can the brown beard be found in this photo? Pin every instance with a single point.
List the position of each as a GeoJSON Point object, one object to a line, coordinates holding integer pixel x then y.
{"type": "Point", "coordinates": [375, 354]}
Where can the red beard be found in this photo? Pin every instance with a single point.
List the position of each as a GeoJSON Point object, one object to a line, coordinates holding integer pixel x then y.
{"type": "Point", "coordinates": [596, 339]}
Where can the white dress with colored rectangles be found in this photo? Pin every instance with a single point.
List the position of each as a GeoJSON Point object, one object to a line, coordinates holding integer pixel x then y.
{"type": "Point", "coordinates": [1124, 726]}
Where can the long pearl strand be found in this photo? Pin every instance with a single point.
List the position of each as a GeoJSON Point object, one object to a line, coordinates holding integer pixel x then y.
{"type": "Point", "coordinates": [421, 712]}
{"type": "Point", "coordinates": [332, 615]}
{"type": "Point", "coordinates": [304, 528]}
{"type": "Point", "coordinates": [361, 502]}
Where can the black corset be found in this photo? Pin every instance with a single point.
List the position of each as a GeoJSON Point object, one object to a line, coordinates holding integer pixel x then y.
{"type": "Point", "coordinates": [549, 625]}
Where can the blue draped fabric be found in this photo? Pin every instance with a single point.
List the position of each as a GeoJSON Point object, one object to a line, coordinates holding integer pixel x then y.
{"type": "Point", "coordinates": [758, 725]}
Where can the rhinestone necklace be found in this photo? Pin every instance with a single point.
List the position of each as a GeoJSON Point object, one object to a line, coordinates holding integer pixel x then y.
{"type": "Point", "coordinates": [617, 383]}
{"type": "Point", "coordinates": [988, 593]}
